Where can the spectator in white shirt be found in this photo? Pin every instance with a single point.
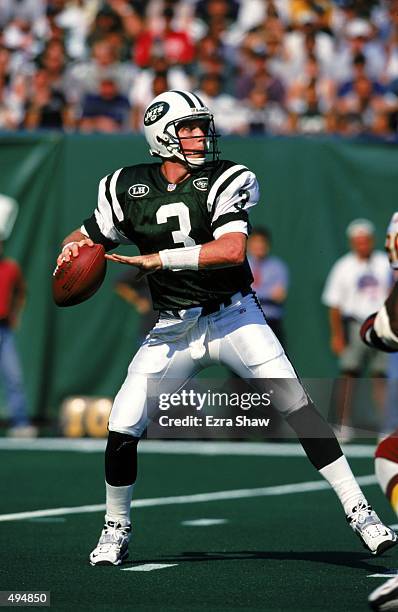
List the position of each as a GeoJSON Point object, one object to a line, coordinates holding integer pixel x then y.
{"type": "Point", "coordinates": [357, 286]}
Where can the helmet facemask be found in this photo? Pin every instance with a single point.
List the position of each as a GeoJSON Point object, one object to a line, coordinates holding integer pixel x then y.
{"type": "Point", "coordinates": [174, 142]}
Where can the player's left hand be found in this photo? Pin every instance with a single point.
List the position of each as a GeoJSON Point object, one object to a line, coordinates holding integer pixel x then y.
{"type": "Point", "coordinates": [147, 264]}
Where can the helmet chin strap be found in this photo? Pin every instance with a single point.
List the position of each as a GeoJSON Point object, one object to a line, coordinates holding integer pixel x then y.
{"type": "Point", "coordinates": [196, 163]}
{"type": "Point", "coordinates": [192, 165]}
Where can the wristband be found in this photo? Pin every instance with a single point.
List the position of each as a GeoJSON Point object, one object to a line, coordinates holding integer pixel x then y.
{"type": "Point", "coordinates": [185, 258]}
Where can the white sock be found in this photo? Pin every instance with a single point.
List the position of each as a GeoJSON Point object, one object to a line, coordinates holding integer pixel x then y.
{"type": "Point", "coordinates": [118, 501]}
{"type": "Point", "coordinates": [342, 480]}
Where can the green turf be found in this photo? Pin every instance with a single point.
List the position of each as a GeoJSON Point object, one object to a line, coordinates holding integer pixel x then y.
{"type": "Point", "coordinates": [289, 552]}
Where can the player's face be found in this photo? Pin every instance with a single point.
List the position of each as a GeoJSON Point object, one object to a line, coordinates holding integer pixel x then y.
{"type": "Point", "coordinates": [192, 137]}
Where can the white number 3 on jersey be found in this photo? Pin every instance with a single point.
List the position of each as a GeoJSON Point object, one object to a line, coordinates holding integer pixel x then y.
{"type": "Point", "coordinates": [180, 210]}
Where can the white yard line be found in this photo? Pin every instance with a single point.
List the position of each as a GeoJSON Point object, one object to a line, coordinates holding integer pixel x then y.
{"type": "Point", "coordinates": [148, 567]}
{"type": "Point", "coordinates": [204, 522]}
{"type": "Point", "coordinates": [300, 487]}
{"type": "Point", "coordinates": [179, 447]}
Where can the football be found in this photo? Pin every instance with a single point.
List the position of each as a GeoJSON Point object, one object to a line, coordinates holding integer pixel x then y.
{"type": "Point", "coordinates": [78, 279]}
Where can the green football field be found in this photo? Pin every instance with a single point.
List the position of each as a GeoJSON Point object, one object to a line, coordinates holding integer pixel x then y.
{"type": "Point", "coordinates": [225, 526]}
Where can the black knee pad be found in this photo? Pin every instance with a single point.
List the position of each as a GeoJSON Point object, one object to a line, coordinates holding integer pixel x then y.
{"type": "Point", "coordinates": [121, 459]}
{"type": "Point", "coordinates": [316, 436]}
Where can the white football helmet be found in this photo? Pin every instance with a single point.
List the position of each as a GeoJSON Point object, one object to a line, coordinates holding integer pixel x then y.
{"type": "Point", "coordinates": [161, 120]}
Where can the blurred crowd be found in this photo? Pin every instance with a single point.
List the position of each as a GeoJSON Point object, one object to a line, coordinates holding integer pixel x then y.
{"type": "Point", "coordinates": [263, 66]}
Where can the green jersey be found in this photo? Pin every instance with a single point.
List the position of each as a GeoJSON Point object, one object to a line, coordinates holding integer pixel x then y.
{"type": "Point", "coordinates": [137, 205]}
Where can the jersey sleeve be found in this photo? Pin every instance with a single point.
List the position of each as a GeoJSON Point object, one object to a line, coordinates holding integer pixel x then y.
{"type": "Point", "coordinates": [104, 225]}
{"type": "Point", "coordinates": [231, 195]}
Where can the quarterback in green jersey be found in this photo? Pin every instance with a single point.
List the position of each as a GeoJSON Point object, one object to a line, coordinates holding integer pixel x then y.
{"type": "Point", "coordinates": [188, 215]}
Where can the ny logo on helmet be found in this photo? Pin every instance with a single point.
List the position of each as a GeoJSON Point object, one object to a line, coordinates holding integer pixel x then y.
{"type": "Point", "coordinates": [156, 112]}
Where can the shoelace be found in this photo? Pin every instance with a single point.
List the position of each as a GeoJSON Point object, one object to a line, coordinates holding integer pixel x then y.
{"type": "Point", "coordinates": [114, 534]}
{"type": "Point", "coordinates": [360, 513]}
{"type": "Point", "coordinates": [364, 516]}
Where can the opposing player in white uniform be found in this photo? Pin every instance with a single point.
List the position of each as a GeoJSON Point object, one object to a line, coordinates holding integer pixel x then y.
{"type": "Point", "coordinates": [188, 215]}
{"type": "Point", "coordinates": [380, 331]}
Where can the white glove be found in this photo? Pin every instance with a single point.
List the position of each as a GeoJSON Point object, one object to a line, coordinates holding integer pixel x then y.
{"type": "Point", "coordinates": [391, 244]}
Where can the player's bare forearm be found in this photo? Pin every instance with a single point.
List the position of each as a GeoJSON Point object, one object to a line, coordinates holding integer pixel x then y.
{"type": "Point", "coordinates": [228, 250]}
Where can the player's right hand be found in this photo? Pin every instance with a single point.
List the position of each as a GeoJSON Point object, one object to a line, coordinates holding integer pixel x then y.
{"type": "Point", "coordinates": [391, 244]}
{"type": "Point", "coordinates": [72, 250]}
{"type": "Point", "coordinates": [147, 264]}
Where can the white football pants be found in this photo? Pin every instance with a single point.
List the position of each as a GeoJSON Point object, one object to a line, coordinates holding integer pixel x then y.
{"type": "Point", "coordinates": [178, 347]}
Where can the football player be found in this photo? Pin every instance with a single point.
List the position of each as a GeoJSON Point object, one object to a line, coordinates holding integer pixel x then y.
{"type": "Point", "coordinates": [188, 215]}
{"type": "Point", "coordinates": [380, 330]}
